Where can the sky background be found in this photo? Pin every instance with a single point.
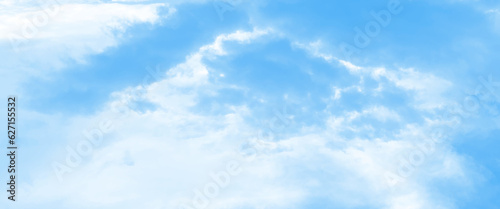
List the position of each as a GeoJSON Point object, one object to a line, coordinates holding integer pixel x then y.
{"type": "Point", "coordinates": [137, 104]}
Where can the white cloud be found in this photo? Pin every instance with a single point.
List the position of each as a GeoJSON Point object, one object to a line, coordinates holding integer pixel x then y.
{"type": "Point", "coordinates": [382, 113]}
{"type": "Point", "coordinates": [68, 30]}
{"type": "Point", "coordinates": [216, 48]}
{"type": "Point", "coordinates": [162, 154]}
{"type": "Point", "coordinates": [39, 40]}
{"type": "Point", "coordinates": [196, 143]}
{"type": "Point", "coordinates": [429, 90]}
{"type": "Point", "coordinates": [494, 15]}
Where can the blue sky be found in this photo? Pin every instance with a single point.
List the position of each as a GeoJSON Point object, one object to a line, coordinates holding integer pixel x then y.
{"type": "Point", "coordinates": [139, 104]}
